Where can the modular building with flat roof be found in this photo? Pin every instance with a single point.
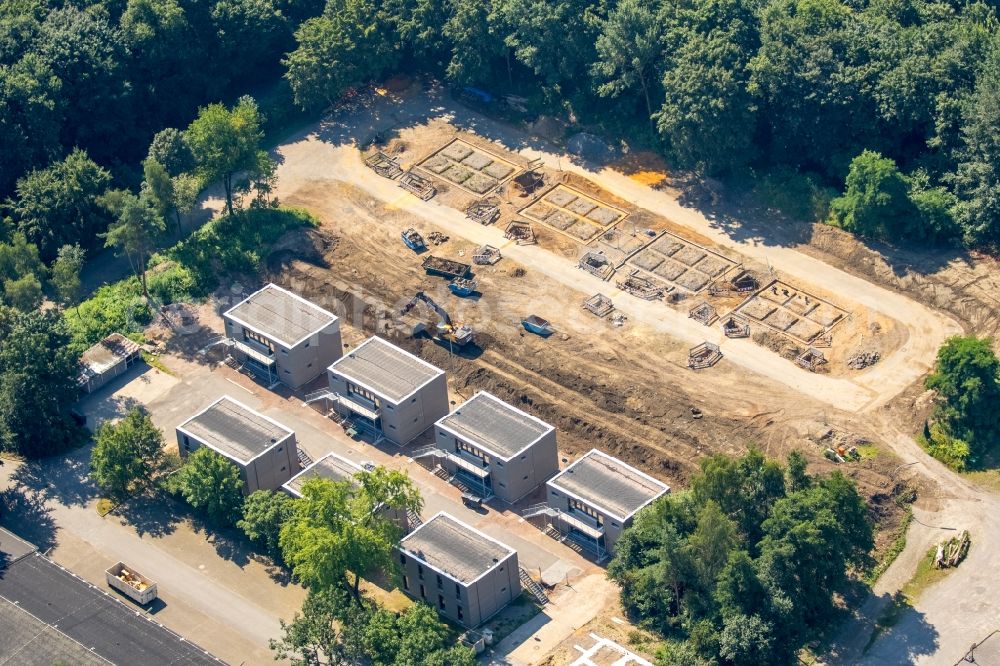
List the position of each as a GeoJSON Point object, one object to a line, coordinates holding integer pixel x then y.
{"type": "Point", "coordinates": [594, 499]}
{"type": "Point", "coordinates": [283, 337]}
{"type": "Point", "coordinates": [496, 449]}
{"type": "Point", "coordinates": [264, 450]}
{"type": "Point", "coordinates": [331, 466]}
{"type": "Point", "coordinates": [467, 575]}
{"type": "Point", "coordinates": [388, 391]}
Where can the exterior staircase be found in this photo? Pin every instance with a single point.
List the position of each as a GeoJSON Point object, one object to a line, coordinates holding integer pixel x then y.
{"type": "Point", "coordinates": [413, 519]}
{"type": "Point", "coordinates": [532, 587]}
{"type": "Point", "coordinates": [321, 394]}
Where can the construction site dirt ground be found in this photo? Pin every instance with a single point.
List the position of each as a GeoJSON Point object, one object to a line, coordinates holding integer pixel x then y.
{"type": "Point", "coordinates": [627, 390]}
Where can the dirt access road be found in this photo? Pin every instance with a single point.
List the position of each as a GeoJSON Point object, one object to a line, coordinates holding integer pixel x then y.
{"type": "Point", "coordinates": [327, 153]}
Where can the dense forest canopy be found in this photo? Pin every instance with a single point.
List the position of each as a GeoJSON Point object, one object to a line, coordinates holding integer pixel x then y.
{"type": "Point", "coordinates": [900, 99]}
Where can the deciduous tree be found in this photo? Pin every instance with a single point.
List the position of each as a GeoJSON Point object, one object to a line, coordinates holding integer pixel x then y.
{"type": "Point", "coordinates": [211, 485]}
{"type": "Point", "coordinates": [226, 141]}
{"type": "Point", "coordinates": [126, 453]}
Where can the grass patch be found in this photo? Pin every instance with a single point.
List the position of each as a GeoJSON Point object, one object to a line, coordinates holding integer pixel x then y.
{"type": "Point", "coordinates": [986, 478]}
{"type": "Point", "coordinates": [896, 546]}
{"type": "Point", "coordinates": [104, 506]}
{"type": "Point", "coordinates": [868, 451]}
{"type": "Point", "coordinates": [154, 361]}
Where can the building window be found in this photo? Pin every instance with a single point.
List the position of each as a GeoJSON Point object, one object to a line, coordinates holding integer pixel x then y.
{"type": "Point", "coordinates": [459, 612]}
{"type": "Point", "coordinates": [285, 352]}
{"type": "Point", "coordinates": [440, 602]}
{"type": "Point", "coordinates": [354, 389]}
{"type": "Point", "coordinates": [440, 582]}
{"type": "Point", "coordinates": [423, 594]}
{"type": "Point", "coordinates": [458, 591]}
{"type": "Point", "coordinates": [406, 582]}
{"type": "Point", "coordinates": [473, 451]}
{"type": "Point", "coordinates": [580, 507]}
{"type": "Point", "coordinates": [250, 336]}
{"type": "Point", "coordinates": [420, 572]}
{"type": "Point", "coordinates": [390, 407]}
{"type": "Point", "coordinates": [402, 559]}
{"type": "Point", "coordinates": [187, 443]}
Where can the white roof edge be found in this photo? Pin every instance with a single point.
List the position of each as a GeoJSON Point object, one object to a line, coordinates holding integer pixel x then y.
{"type": "Point", "coordinates": [288, 431]}
{"type": "Point", "coordinates": [664, 488]}
{"type": "Point", "coordinates": [438, 371]}
{"type": "Point", "coordinates": [317, 462]}
{"type": "Point", "coordinates": [510, 551]}
{"type": "Point", "coordinates": [548, 426]}
{"type": "Point", "coordinates": [271, 285]}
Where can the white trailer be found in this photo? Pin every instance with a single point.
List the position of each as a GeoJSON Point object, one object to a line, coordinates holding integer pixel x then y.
{"type": "Point", "coordinates": [131, 583]}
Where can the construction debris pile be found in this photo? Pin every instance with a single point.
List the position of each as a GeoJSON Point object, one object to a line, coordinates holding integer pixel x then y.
{"type": "Point", "coordinates": [437, 238]}
{"type": "Point", "coordinates": [953, 551]}
{"type": "Point", "coordinates": [861, 359]}
{"type": "Point", "coordinates": [132, 579]}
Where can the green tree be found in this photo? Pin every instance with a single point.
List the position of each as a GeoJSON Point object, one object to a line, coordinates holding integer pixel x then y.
{"type": "Point", "coordinates": [629, 48]}
{"type": "Point", "coordinates": [186, 189]}
{"type": "Point", "coordinates": [58, 205]}
{"type": "Point", "coordinates": [344, 531]}
{"type": "Point", "coordinates": [170, 148]}
{"type": "Point", "coordinates": [31, 106]}
{"type": "Point", "coordinates": [23, 293]}
{"type": "Point", "coordinates": [126, 453]}
{"type": "Point", "coordinates": [160, 188]}
{"type": "Point", "coordinates": [211, 485]}
{"type": "Point", "coordinates": [87, 55]}
{"type": "Point", "coordinates": [708, 117]}
{"type": "Point", "coordinates": [264, 513]}
{"type": "Point", "coordinates": [810, 76]}
{"type": "Point", "coordinates": [965, 379]}
{"type": "Point", "coordinates": [226, 141]}
{"type": "Point", "coordinates": [552, 38]}
{"type": "Point", "coordinates": [313, 637]}
{"type": "Point", "coordinates": [876, 201]}
{"type": "Point", "coordinates": [345, 47]}
{"type": "Point", "coordinates": [135, 231]}
{"type": "Point", "coordinates": [976, 178]}
{"type": "Point", "coordinates": [21, 273]}
{"type": "Point", "coordinates": [37, 384]}
{"type": "Point", "coordinates": [66, 270]}
{"type": "Point", "coordinates": [474, 48]}
{"type": "Point", "coordinates": [798, 478]}
{"type": "Point", "coordinates": [748, 641]}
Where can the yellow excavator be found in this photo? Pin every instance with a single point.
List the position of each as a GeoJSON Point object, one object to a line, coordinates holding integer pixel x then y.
{"type": "Point", "coordinates": [446, 329]}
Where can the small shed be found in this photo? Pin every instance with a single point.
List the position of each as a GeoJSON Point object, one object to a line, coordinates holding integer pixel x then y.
{"type": "Point", "coordinates": [106, 360]}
